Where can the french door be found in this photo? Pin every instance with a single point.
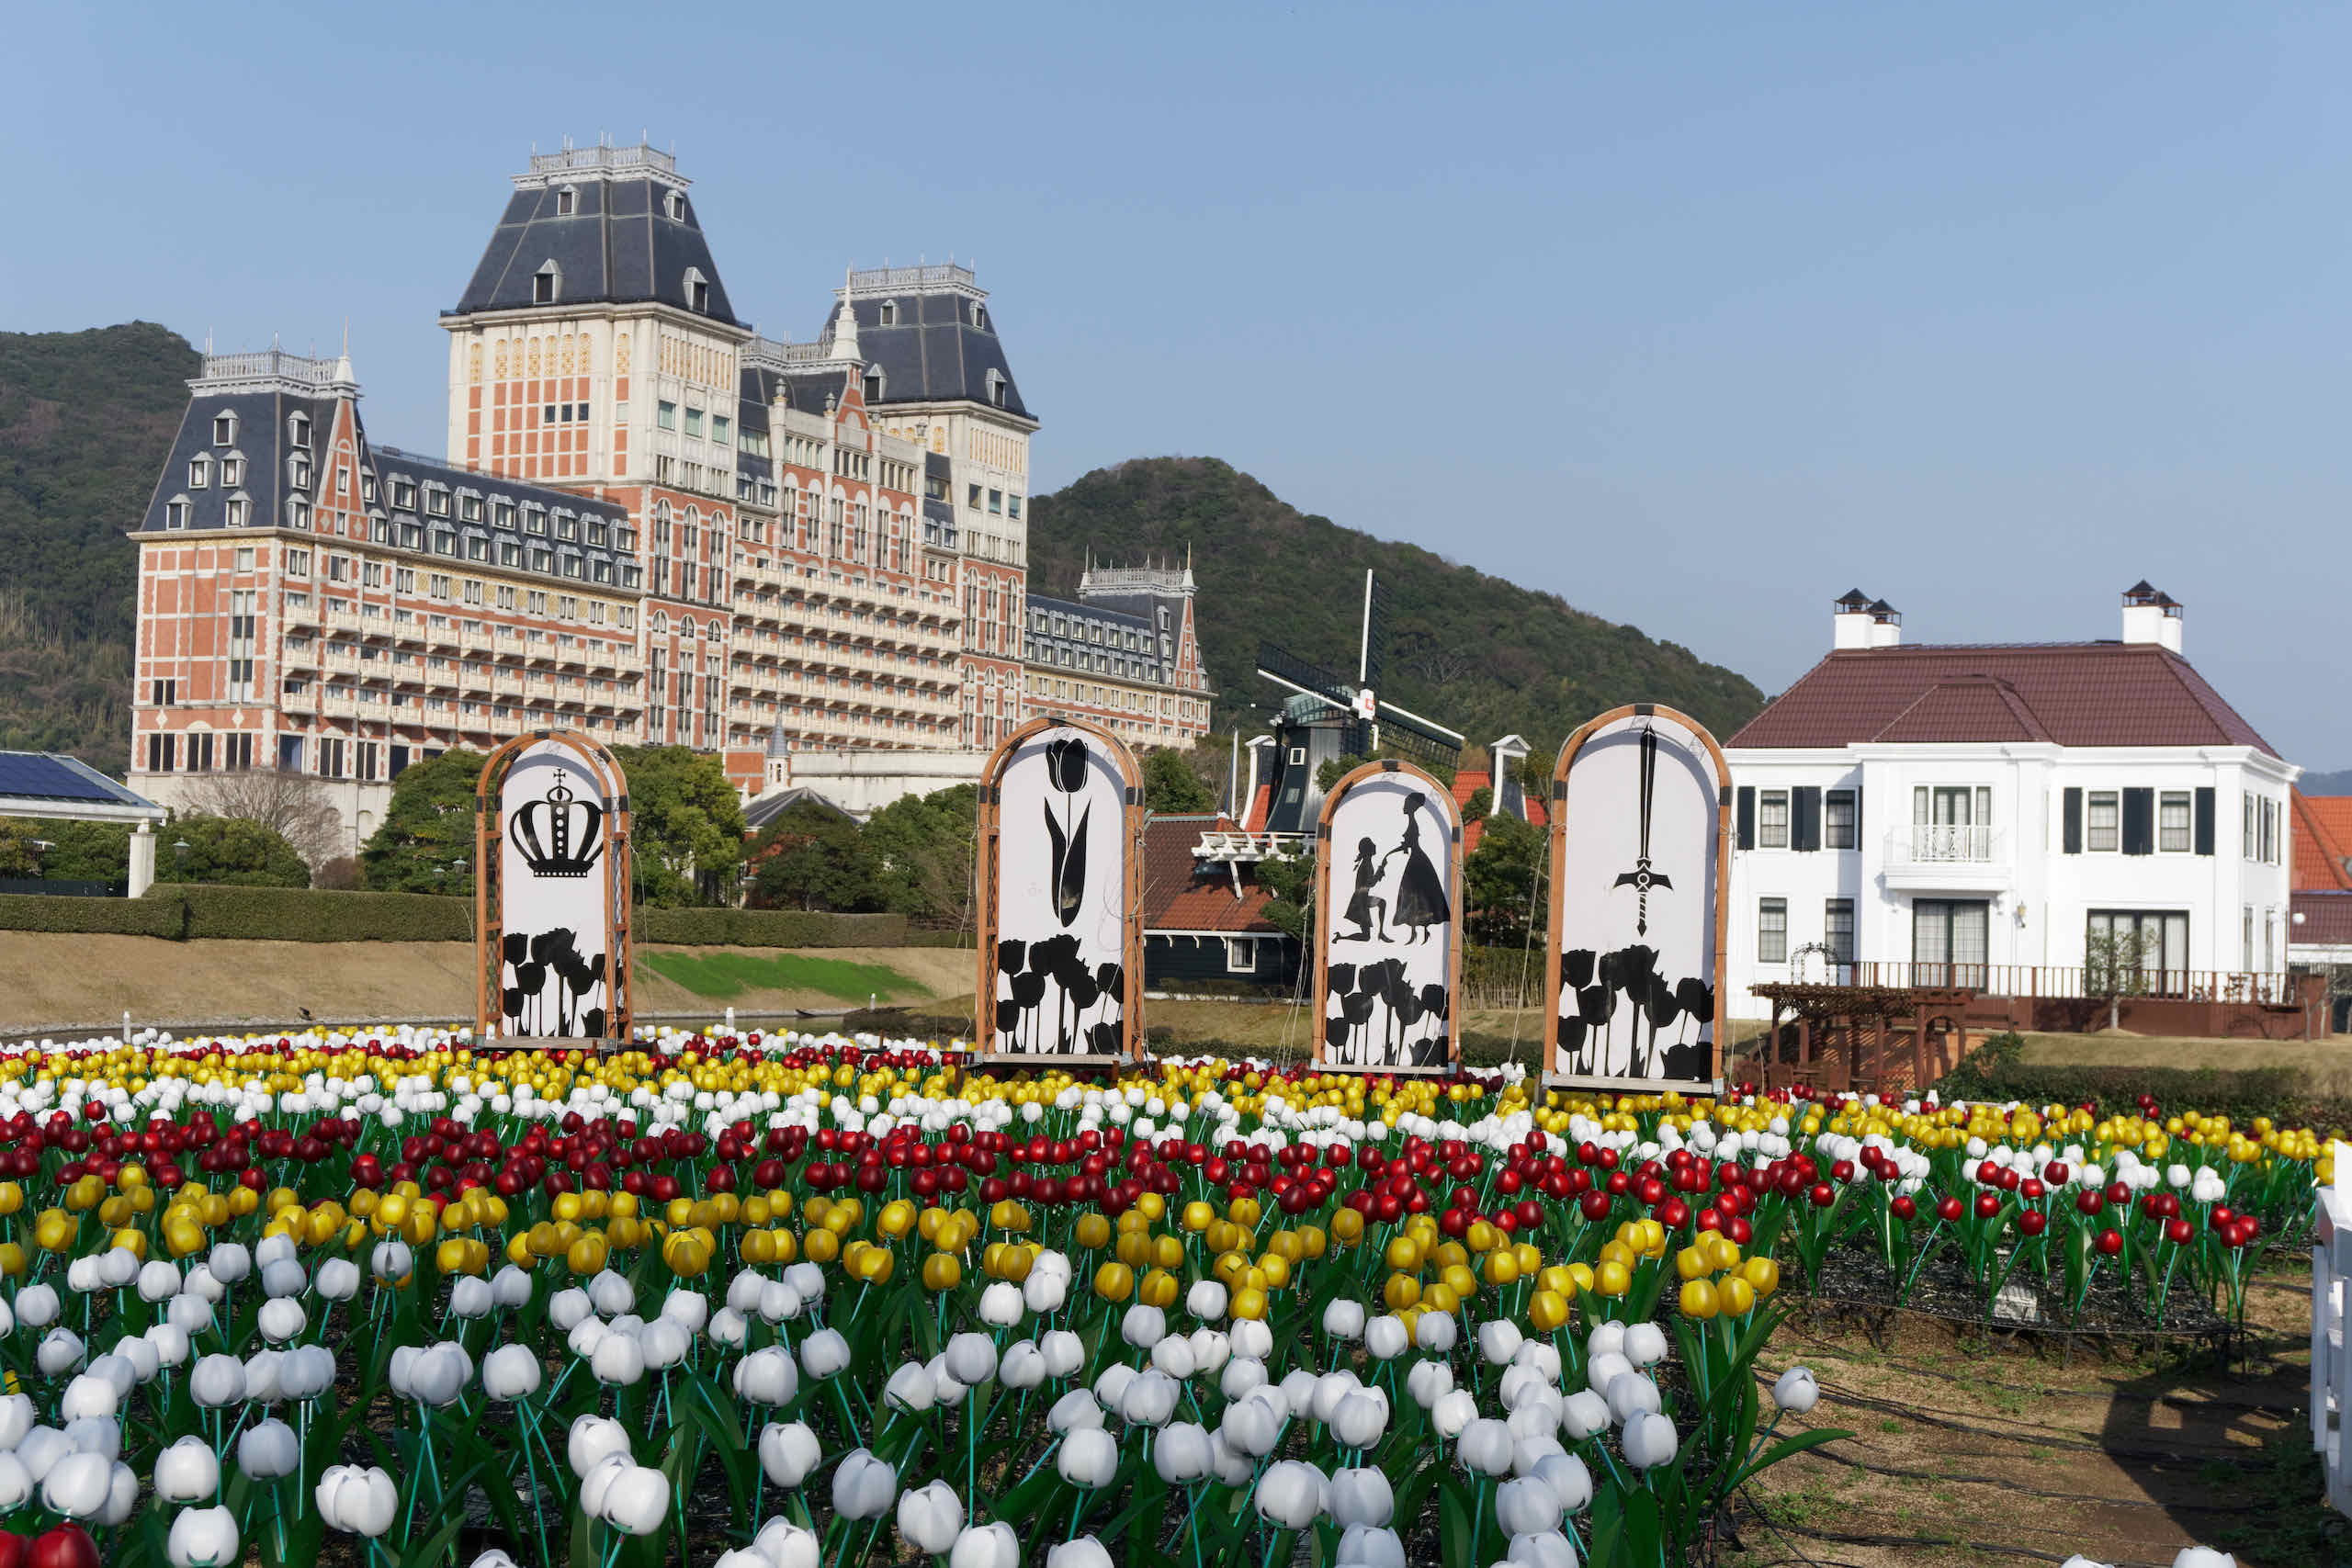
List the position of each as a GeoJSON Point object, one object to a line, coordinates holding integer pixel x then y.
{"type": "Point", "coordinates": [1950, 940]}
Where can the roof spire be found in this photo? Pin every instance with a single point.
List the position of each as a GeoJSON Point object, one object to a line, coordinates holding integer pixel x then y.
{"type": "Point", "coordinates": [845, 326]}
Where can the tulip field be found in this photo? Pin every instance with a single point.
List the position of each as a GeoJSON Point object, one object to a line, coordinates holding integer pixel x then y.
{"type": "Point", "coordinates": [792, 1302]}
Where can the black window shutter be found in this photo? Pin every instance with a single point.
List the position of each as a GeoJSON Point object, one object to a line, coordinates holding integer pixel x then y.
{"type": "Point", "coordinates": [1858, 816]}
{"type": "Point", "coordinates": [2205, 820]}
{"type": "Point", "coordinates": [2071, 834]}
{"type": "Point", "coordinates": [1747, 816]}
{"type": "Point", "coordinates": [2139, 821]}
{"type": "Point", "coordinates": [1804, 817]}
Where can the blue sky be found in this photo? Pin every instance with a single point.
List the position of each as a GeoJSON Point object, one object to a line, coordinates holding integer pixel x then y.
{"type": "Point", "coordinates": [1696, 317]}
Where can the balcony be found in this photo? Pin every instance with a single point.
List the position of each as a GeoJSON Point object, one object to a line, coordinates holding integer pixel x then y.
{"type": "Point", "coordinates": [1925, 857]}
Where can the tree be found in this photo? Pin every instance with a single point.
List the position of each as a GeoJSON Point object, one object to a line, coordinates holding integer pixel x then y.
{"type": "Point", "coordinates": [229, 850]}
{"type": "Point", "coordinates": [686, 832]}
{"type": "Point", "coordinates": [293, 806]}
{"type": "Point", "coordinates": [1479, 806]}
{"type": "Point", "coordinates": [1171, 786]}
{"type": "Point", "coordinates": [58, 851]}
{"type": "Point", "coordinates": [813, 857]}
{"type": "Point", "coordinates": [2113, 969]}
{"type": "Point", "coordinates": [19, 857]}
{"type": "Point", "coordinates": [1329, 775]}
{"type": "Point", "coordinates": [1501, 880]}
{"type": "Point", "coordinates": [427, 829]}
{"type": "Point", "coordinates": [1291, 880]}
{"type": "Point", "coordinates": [921, 850]}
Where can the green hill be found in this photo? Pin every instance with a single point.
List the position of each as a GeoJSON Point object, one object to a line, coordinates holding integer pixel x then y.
{"type": "Point", "coordinates": [1477, 653]}
{"type": "Point", "coordinates": [86, 422]}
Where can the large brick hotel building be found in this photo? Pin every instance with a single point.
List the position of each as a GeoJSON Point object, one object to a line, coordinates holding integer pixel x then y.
{"type": "Point", "coordinates": [653, 523]}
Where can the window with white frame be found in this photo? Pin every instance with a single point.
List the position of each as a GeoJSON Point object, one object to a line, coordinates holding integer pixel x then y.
{"type": "Point", "coordinates": [2103, 824]}
{"type": "Point", "coordinates": [1772, 925]}
{"type": "Point", "coordinates": [1772, 825]}
{"type": "Point", "coordinates": [1241, 955]}
{"type": "Point", "coordinates": [199, 475]}
{"type": "Point", "coordinates": [2176, 822]}
{"type": "Point", "coordinates": [1838, 930]}
{"type": "Point", "coordinates": [1839, 820]}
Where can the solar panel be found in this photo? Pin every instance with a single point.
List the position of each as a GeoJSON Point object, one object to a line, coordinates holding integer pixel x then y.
{"type": "Point", "coordinates": [34, 777]}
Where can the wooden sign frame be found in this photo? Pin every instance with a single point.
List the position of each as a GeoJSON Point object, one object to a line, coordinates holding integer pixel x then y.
{"type": "Point", "coordinates": [985, 863]}
{"type": "Point", "coordinates": [1553, 1077]}
{"type": "Point", "coordinates": [598, 762]}
{"type": "Point", "coordinates": [1321, 956]}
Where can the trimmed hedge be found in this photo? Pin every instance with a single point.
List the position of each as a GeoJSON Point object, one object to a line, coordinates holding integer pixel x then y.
{"type": "Point", "coordinates": [317, 914]}
{"type": "Point", "coordinates": [769, 927]}
{"type": "Point", "coordinates": [915, 938]}
{"type": "Point", "coordinates": [1994, 1072]}
{"type": "Point", "coordinates": [111, 917]}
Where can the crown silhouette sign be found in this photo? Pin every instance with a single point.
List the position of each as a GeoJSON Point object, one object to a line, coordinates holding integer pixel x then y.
{"type": "Point", "coordinates": [546, 832]}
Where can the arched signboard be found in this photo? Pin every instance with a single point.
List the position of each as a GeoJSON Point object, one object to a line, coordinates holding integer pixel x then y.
{"type": "Point", "coordinates": [1061, 895]}
{"type": "Point", "coordinates": [551, 891]}
{"type": "Point", "coordinates": [1388, 922]}
{"type": "Point", "coordinates": [1641, 840]}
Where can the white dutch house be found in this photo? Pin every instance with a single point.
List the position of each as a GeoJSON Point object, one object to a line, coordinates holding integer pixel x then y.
{"type": "Point", "coordinates": [1977, 815]}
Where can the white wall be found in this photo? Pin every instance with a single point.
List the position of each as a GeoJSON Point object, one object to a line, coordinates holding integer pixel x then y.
{"type": "Point", "coordinates": [865, 781]}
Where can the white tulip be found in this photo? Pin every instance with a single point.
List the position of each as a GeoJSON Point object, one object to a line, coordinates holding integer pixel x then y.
{"type": "Point", "coordinates": [1064, 1351]}
{"type": "Point", "coordinates": [1253, 1338]}
{"type": "Point", "coordinates": [2202, 1557]}
{"type": "Point", "coordinates": [170, 1342]}
{"type": "Point", "coordinates": [1211, 1350]}
{"type": "Point", "coordinates": [729, 1327]}
{"type": "Point", "coordinates": [594, 1439]}
{"type": "Point", "coordinates": [391, 1262]}
{"type": "Point", "coordinates": [1180, 1453]}
{"type": "Point", "coordinates": [1000, 1305]}
{"type": "Point", "coordinates": [864, 1486]}
{"type": "Point", "coordinates": [783, 1544]}
{"type": "Point", "coordinates": [1253, 1424]}
{"type": "Point", "coordinates": [768, 1377]}
{"type": "Point", "coordinates": [122, 1495]}
{"type": "Point", "coordinates": [1044, 1291]}
{"type": "Point", "coordinates": [1368, 1546]}
{"type": "Point", "coordinates": [1149, 1399]}
{"type": "Point", "coordinates": [159, 1281]}
{"type": "Point", "coordinates": [217, 1381]}
{"type": "Point", "coordinates": [510, 1286]}
{"type": "Point", "coordinates": [262, 1384]}
{"type": "Point", "coordinates": [568, 1308]}
{"type": "Point", "coordinates": [281, 1319]}
{"type": "Point", "coordinates": [202, 1537]}
{"type": "Point", "coordinates": [971, 1359]}
{"type": "Point", "coordinates": [599, 1482]}
{"type": "Point", "coordinates": [1361, 1496]}
{"type": "Point", "coordinates": [911, 1388]}
{"type": "Point", "coordinates": [511, 1372]}
{"type": "Point", "coordinates": [1291, 1494]}
{"type": "Point", "coordinates": [1548, 1548]}
{"type": "Point", "coordinates": [1453, 1412]}
{"type": "Point", "coordinates": [471, 1298]}
{"type": "Point", "coordinates": [1173, 1356]}
{"type": "Point", "coordinates": [1435, 1332]}
{"type": "Point", "coordinates": [40, 1450]}
{"type": "Point", "coordinates": [36, 1306]}
{"type": "Point", "coordinates": [1073, 1410]}
{"type": "Point", "coordinates": [1024, 1366]}
{"type": "Point", "coordinates": [76, 1486]}
{"type": "Point", "coordinates": [1606, 1339]}
{"type": "Point", "coordinates": [1386, 1338]}
{"type": "Point", "coordinates": [690, 1310]}
{"type": "Point", "coordinates": [87, 1396]}
{"type": "Point", "coordinates": [612, 1295]}
{"type": "Point", "coordinates": [1089, 1457]}
{"type": "Point", "coordinates": [60, 1352]}
{"type": "Point", "coordinates": [824, 1354]}
{"type": "Point", "coordinates": [1428, 1383]}
{"type": "Point", "coordinates": [1084, 1553]}
{"type": "Point", "coordinates": [637, 1501]}
{"type": "Point", "coordinates": [1630, 1394]}
{"type": "Point", "coordinates": [1648, 1440]}
{"type": "Point", "coordinates": [1241, 1374]}
{"type": "Point", "coordinates": [1359, 1419]}
{"type": "Point", "coordinates": [1527, 1507]}
{"type": "Point", "coordinates": [1343, 1319]}
{"type": "Point", "coordinates": [140, 1351]}
{"type": "Point", "coordinates": [187, 1471]}
{"type": "Point", "coordinates": [1796, 1391]}
{"type": "Point", "coordinates": [1485, 1445]}
{"type": "Point", "coordinates": [1645, 1343]}
{"type": "Point", "coordinates": [1207, 1300]}
{"type": "Point", "coordinates": [229, 1262]}
{"type": "Point", "coordinates": [986, 1546]}
{"type": "Point", "coordinates": [283, 1277]}
{"type": "Point", "coordinates": [189, 1313]}
{"type": "Point", "coordinates": [1570, 1482]}
{"type": "Point", "coordinates": [1605, 1368]}
{"type": "Point", "coordinates": [788, 1451]}
{"type": "Point", "coordinates": [779, 1303]}
{"type": "Point", "coordinates": [269, 1449]}
{"type": "Point", "coordinates": [1541, 1356]}
{"type": "Point", "coordinates": [930, 1517]}
{"type": "Point", "coordinates": [1142, 1325]}
{"type": "Point", "coordinates": [1498, 1340]}
{"type": "Point", "coordinates": [95, 1435]}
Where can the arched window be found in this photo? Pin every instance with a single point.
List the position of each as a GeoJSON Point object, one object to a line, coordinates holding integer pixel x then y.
{"type": "Point", "coordinates": [889, 315]}
{"type": "Point", "coordinates": [547, 283]}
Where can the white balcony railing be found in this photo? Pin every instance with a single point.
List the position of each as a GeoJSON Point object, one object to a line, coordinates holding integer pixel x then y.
{"type": "Point", "coordinates": [1945, 843]}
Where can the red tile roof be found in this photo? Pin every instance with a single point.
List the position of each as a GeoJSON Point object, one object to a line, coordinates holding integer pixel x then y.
{"type": "Point", "coordinates": [2094, 694]}
{"type": "Point", "coordinates": [1181, 893]}
{"type": "Point", "coordinates": [2323, 841]}
{"type": "Point", "coordinates": [1468, 782]}
{"type": "Point", "coordinates": [2326, 919]}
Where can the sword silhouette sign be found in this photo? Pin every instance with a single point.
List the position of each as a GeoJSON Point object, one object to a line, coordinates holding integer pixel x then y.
{"type": "Point", "coordinates": [1642, 878]}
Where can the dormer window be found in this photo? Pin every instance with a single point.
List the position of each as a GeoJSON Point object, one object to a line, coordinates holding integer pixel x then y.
{"type": "Point", "coordinates": [298, 472]}
{"type": "Point", "coordinates": [175, 513]}
{"type": "Point", "coordinates": [979, 314]}
{"type": "Point", "coordinates": [469, 508]}
{"type": "Point", "coordinates": [239, 512]}
{"type": "Point", "coordinates": [567, 202]}
{"type": "Point", "coordinates": [436, 502]}
{"type": "Point", "coordinates": [232, 470]}
{"type": "Point", "coordinates": [224, 430]}
{"type": "Point", "coordinates": [674, 205]}
{"type": "Point", "coordinates": [403, 495]}
{"type": "Point", "coordinates": [297, 431]}
{"type": "Point", "coordinates": [996, 387]}
{"type": "Point", "coordinates": [698, 291]}
{"type": "Point", "coordinates": [503, 515]}
{"type": "Point", "coordinates": [889, 316]}
{"type": "Point", "coordinates": [873, 383]}
{"type": "Point", "coordinates": [547, 283]}
{"type": "Point", "coordinates": [200, 472]}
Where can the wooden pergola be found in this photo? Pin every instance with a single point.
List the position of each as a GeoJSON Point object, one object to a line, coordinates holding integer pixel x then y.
{"type": "Point", "coordinates": [1852, 1039]}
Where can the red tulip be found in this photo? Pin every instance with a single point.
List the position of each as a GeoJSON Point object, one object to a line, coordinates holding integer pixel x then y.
{"type": "Point", "coordinates": [2109, 1243]}
{"type": "Point", "coordinates": [67, 1546]}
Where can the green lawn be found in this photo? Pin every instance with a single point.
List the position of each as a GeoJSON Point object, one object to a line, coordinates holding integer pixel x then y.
{"type": "Point", "coordinates": [722, 975]}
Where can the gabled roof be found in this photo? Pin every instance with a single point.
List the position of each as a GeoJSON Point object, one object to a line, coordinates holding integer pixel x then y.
{"type": "Point", "coordinates": [2321, 860]}
{"type": "Point", "coordinates": [1182, 894]}
{"type": "Point", "coordinates": [2094, 694]}
{"type": "Point", "coordinates": [619, 246]}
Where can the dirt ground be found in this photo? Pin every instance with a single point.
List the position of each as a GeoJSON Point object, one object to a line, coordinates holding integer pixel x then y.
{"type": "Point", "coordinates": [50, 982]}
{"type": "Point", "coordinates": [1966, 1452]}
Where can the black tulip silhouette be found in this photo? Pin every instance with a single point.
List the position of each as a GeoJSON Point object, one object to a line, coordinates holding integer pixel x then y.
{"type": "Point", "coordinates": [1054, 956]}
{"type": "Point", "coordinates": [1011, 955]}
{"type": "Point", "coordinates": [1660, 1003]}
{"type": "Point", "coordinates": [1433, 1000]}
{"type": "Point", "coordinates": [1104, 1037]}
{"type": "Point", "coordinates": [1111, 979]}
{"type": "Point", "coordinates": [1007, 1016]}
{"type": "Point", "coordinates": [515, 947]}
{"type": "Point", "coordinates": [1697, 998]}
{"type": "Point", "coordinates": [1610, 970]}
{"type": "Point", "coordinates": [1028, 990]}
{"type": "Point", "coordinates": [591, 1023]}
{"type": "Point", "coordinates": [1635, 964]}
{"type": "Point", "coordinates": [1065, 763]}
{"type": "Point", "coordinates": [1686, 1063]}
{"type": "Point", "coordinates": [1069, 852]}
{"type": "Point", "coordinates": [1575, 968]}
{"type": "Point", "coordinates": [1337, 1030]}
{"type": "Point", "coordinates": [1596, 1004]}
{"type": "Point", "coordinates": [1340, 977]}
{"type": "Point", "coordinates": [513, 996]}
{"type": "Point", "coordinates": [1084, 992]}
{"type": "Point", "coordinates": [1571, 1033]}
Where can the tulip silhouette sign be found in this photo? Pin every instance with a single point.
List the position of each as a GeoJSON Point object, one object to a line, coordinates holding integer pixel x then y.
{"type": "Point", "coordinates": [1061, 868]}
{"type": "Point", "coordinates": [1640, 841]}
{"type": "Point", "coordinates": [551, 894]}
{"type": "Point", "coordinates": [1388, 936]}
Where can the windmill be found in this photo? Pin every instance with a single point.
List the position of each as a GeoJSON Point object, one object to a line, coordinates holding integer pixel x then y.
{"type": "Point", "coordinates": [1373, 719]}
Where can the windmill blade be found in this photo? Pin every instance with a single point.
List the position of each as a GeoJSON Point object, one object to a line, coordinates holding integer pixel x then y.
{"type": "Point", "coordinates": [1428, 728]}
{"type": "Point", "coordinates": [1372, 657]}
{"type": "Point", "coordinates": [1287, 669]}
{"type": "Point", "coordinates": [1399, 739]}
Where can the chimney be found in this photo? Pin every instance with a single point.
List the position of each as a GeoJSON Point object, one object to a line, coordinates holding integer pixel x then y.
{"type": "Point", "coordinates": [1509, 753]}
{"type": "Point", "coordinates": [1886, 625]}
{"type": "Point", "coordinates": [1849, 620]}
{"type": "Point", "coordinates": [2149, 616]}
{"type": "Point", "coordinates": [1263, 762]}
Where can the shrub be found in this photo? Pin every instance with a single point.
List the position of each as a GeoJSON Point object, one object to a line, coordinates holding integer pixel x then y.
{"type": "Point", "coordinates": [768, 928]}
{"type": "Point", "coordinates": [304, 914]}
{"type": "Point", "coordinates": [1994, 1071]}
{"type": "Point", "coordinates": [164, 917]}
